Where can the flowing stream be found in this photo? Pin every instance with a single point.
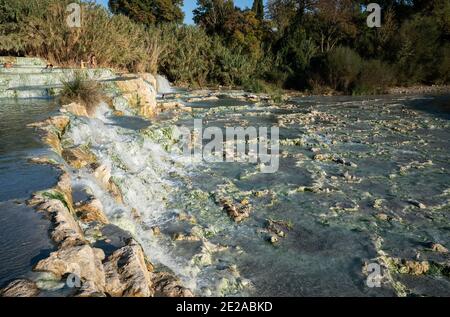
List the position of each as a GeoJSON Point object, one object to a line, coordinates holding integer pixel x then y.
{"type": "Point", "coordinates": [390, 156]}
{"type": "Point", "coordinates": [357, 176]}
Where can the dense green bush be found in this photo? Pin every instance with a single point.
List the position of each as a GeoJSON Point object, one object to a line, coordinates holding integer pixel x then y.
{"type": "Point", "coordinates": [185, 58]}
{"type": "Point", "coordinates": [231, 67]}
{"type": "Point", "coordinates": [375, 77]}
{"type": "Point", "coordinates": [344, 66]}
{"type": "Point", "coordinates": [294, 57]}
{"type": "Point", "coordinates": [191, 57]}
{"type": "Point", "coordinates": [309, 46]}
{"type": "Point", "coordinates": [418, 58]}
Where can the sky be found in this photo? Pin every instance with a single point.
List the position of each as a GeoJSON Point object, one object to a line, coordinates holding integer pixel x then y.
{"type": "Point", "coordinates": [190, 5]}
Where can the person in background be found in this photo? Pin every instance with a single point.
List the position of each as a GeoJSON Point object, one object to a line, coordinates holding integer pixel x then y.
{"type": "Point", "coordinates": [93, 61]}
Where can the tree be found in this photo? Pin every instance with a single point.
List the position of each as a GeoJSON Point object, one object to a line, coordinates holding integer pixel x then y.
{"type": "Point", "coordinates": [334, 21]}
{"type": "Point", "coordinates": [344, 66]}
{"type": "Point", "coordinates": [258, 9]}
{"type": "Point", "coordinates": [237, 29]}
{"type": "Point", "coordinates": [418, 60]}
{"type": "Point", "coordinates": [149, 12]}
{"type": "Point", "coordinates": [286, 12]}
{"type": "Point", "coordinates": [213, 14]}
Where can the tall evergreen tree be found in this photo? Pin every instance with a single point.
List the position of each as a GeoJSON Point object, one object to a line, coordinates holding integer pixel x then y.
{"type": "Point", "coordinates": [258, 8]}
{"type": "Point", "coordinates": [149, 12]}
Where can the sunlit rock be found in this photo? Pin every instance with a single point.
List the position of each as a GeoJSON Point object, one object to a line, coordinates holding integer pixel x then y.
{"type": "Point", "coordinates": [150, 78]}
{"type": "Point", "coordinates": [83, 261]}
{"type": "Point", "coordinates": [78, 157]}
{"type": "Point", "coordinates": [51, 130]}
{"type": "Point", "coordinates": [127, 274]}
{"type": "Point", "coordinates": [66, 230]}
{"type": "Point", "coordinates": [139, 94]}
{"type": "Point", "coordinates": [173, 105]}
{"type": "Point", "coordinates": [437, 247]}
{"type": "Point", "coordinates": [167, 285]}
{"type": "Point", "coordinates": [91, 210]}
{"type": "Point", "coordinates": [20, 288]}
{"type": "Point", "coordinates": [103, 174]}
{"type": "Point", "coordinates": [206, 98]}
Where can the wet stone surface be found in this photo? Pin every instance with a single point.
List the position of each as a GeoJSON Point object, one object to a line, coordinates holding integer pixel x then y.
{"type": "Point", "coordinates": [358, 178]}
{"type": "Point", "coordinates": [361, 181]}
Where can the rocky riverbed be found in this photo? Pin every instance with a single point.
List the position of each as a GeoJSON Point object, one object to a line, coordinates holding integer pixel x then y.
{"type": "Point", "coordinates": [363, 185]}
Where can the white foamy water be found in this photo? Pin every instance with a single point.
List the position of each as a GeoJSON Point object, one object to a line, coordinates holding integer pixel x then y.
{"type": "Point", "coordinates": [140, 168]}
{"type": "Point", "coordinates": [164, 86]}
{"type": "Point", "coordinates": [150, 179]}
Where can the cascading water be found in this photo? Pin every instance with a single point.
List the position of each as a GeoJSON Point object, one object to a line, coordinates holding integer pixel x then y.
{"type": "Point", "coordinates": [164, 86]}
{"type": "Point", "coordinates": [145, 173]}
{"type": "Point", "coordinates": [333, 187]}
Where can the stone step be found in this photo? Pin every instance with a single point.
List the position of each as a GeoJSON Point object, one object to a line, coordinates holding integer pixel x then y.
{"type": "Point", "coordinates": [28, 78]}
{"type": "Point", "coordinates": [23, 61]}
{"type": "Point", "coordinates": [30, 70]}
{"type": "Point", "coordinates": [30, 93]}
{"type": "Point", "coordinates": [11, 80]}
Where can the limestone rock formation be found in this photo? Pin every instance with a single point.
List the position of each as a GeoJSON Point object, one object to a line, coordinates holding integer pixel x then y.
{"type": "Point", "coordinates": [66, 231]}
{"type": "Point", "coordinates": [150, 78]}
{"type": "Point", "coordinates": [236, 211]}
{"type": "Point", "coordinates": [64, 187]}
{"type": "Point", "coordinates": [139, 94]}
{"type": "Point", "coordinates": [75, 109]}
{"type": "Point", "coordinates": [78, 157]}
{"type": "Point", "coordinates": [51, 130]}
{"type": "Point", "coordinates": [415, 267]}
{"type": "Point", "coordinates": [103, 175]}
{"type": "Point", "coordinates": [82, 261]}
{"type": "Point", "coordinates": [20, 288]}
{"type": "Point", "coordinates": [205, 98]}
{"type": "Point", "coordinates": [437, 247]}
{"type": "Point", "coordinates": [173, 105]}
{"type": "Point", "coordinates": [127, 274]}
{"type": "Point", "coordinates": [167, 285]}
{"type": "Point", "coordinates": [91, 210]}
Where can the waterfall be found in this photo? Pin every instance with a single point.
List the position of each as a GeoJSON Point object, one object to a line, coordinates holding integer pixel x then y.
{"type": "Point", "coordinates": [140, 167]}
{"type": "Point", "coordinates": [164, 86]}
{"type": "Point", "coordinates": [149, 174]}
